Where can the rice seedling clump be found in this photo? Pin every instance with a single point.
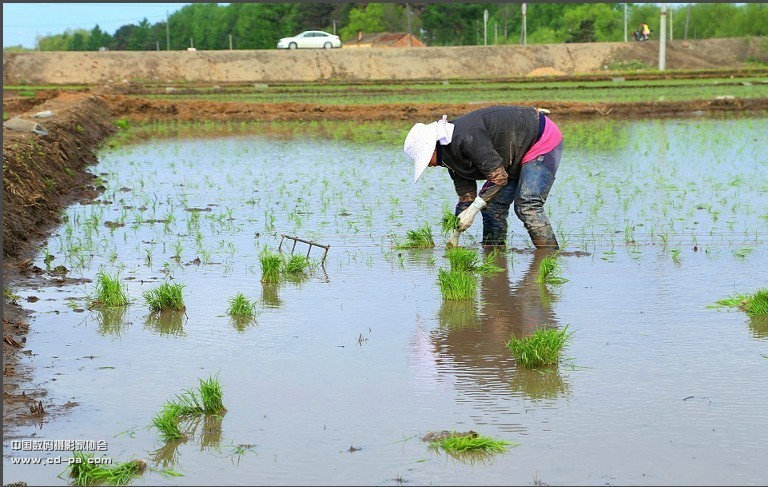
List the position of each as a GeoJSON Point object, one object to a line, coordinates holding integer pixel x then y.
{"type": "Point", "coordinates": [467, 260]}
{"type": "Point", "coordinates": [165, 297]}
{"type": "Point", "coordinates": [207, 399]}
{"type": "Point", "coordinates": [420, 238]}
{"type": "Point", "coordinates": [296, 264]}
{"type": "Point", "coordinates": [270, 266]}
{"type": "Point", "coordinates": [456, 285]}
{"type": "Point", "coordinates": [462, 259]}
{"type": "Point", "coordinates": [167, 423]}
{"type": "Point", "coordinates": [241, 306]}
{"type": "Point", "coordinates": [754, 304]}
{"type": "Point", "coordinates": [109, 293]}
{"type": "Point", "coordinates": [86, 471]}
{"type": "Point", "coordinates": [541, 348]}
{"type": "Point", "coordinates": [453, 442]}
{"type": "Point", "coordinates": [550, 271]}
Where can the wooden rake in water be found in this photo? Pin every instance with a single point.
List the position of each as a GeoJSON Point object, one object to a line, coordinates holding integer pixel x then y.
{"type": "Point", "coordinates": [308, 242]}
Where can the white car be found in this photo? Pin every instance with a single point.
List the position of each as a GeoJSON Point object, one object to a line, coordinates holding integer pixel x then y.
{"type": "Point", "coordinates": [310, 39]}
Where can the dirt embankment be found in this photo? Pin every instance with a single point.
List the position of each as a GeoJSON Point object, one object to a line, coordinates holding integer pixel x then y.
{"type": "Point", "coordinates": [374, 64]}
{"type": "Point", "coordinates": [42, 174]}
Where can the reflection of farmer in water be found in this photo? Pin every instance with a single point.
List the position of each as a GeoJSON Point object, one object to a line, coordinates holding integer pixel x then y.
{"type": "Point", "coordinates": [470, 343]}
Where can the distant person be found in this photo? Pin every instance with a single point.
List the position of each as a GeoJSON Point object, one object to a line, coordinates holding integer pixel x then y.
{"type": "Point", "coordinates": [515, 149]}
{"type": "Point", "coordinates": [643, 33]}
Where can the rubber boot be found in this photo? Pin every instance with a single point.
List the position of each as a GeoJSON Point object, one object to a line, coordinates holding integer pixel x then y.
{"type": "Point", "coordinates": [544, 237]}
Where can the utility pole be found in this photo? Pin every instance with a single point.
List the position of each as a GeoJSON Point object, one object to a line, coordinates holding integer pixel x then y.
{"type": "Point", "coordinates": [687, 18]}
{"type": "Point", "coordinates": [485, 27]}
{"type": "Point", "coordinates": [671, 23]}
{"type": "Point", "coordinates": [663, 37]}
{"type": "Point", "coordinates": [625, 22]}
{"type": "Point", "coordinates": [523, 33]}
{"type": "Point", "coordinates": [408, 18]}
{"type": "Point", "coordinates": [167, 32]}
{"type": "Point", "coordinates": [230, 42]}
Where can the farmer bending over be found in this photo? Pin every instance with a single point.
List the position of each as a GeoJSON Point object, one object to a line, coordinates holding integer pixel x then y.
{"type": "Point", "coordinates": [516, 150]}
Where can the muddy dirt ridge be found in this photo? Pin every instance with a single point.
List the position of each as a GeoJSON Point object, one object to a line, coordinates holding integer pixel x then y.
{"type": "Point", "coordinates": [382, 64]}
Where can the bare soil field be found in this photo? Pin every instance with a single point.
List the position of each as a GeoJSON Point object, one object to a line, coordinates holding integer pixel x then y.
{"type": "Point", "coordinates": [42, 174]}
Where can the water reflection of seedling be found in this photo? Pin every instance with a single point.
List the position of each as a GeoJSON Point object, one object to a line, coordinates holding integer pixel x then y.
{"type": "Point", "coordinates": [675, 255]}
{"type": "Point", "coordinates": [170, 322]}
{"type": "Point", "coordinates": [458, 315]}
{"type": "Point", "coordinates": [86, 469]}
{"type": "Point", "coordinates": [541, 348]}
{"type": "Point", "coordinates": [550, 271]}
{"type": "Point", "coordinates": [421, 238]}
{"type": "Point", "coordinates": [539, 384]}
{"type": "Point", "coordinates": [456, 285]}
{"type": "Point", "coordinates": [165, 297]}
{"type": "Point", "coordinates": [111, 321]}
{"type": "Point", "coordinates": [754, 304]}
{"type": "Point", "coordinates": [109, 292]}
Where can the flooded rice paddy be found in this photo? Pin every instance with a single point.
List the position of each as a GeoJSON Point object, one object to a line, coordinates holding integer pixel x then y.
{"type": "Point", "coordinates": [341, 373]}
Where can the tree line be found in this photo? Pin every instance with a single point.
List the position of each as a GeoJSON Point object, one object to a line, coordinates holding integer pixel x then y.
{"type": "Point", "coordinates": [210, 26]}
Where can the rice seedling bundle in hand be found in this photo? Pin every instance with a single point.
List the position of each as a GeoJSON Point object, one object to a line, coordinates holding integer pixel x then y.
{"type": "Point", "coordinates": [449, 221]}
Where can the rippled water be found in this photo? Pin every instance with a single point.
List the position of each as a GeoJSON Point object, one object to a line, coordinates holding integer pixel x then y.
{"type": "Point", "coordinates": [342, 373]}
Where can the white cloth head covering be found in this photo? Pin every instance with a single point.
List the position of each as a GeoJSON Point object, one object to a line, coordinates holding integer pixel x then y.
{"type": "Point", "coordinates": [421, 140]}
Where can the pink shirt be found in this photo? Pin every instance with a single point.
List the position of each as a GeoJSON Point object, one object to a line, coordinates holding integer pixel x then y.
{"type": "Point", "coordinates": [550, 139]}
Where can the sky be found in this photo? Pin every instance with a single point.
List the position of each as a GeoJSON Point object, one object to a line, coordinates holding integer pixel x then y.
{"type": "Point", "coordinates": [22, 22]}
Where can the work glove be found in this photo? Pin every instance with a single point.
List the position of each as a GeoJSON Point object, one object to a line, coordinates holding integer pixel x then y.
{"type": "Point", "coordinates": [467, 217]}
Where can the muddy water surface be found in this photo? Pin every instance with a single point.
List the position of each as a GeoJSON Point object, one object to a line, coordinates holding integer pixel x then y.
{"type": "Point", "coordinates": [342, 372]}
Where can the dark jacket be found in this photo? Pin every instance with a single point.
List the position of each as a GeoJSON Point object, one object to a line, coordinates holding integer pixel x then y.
{"type": "Point", "coordinates": [485, 140]}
